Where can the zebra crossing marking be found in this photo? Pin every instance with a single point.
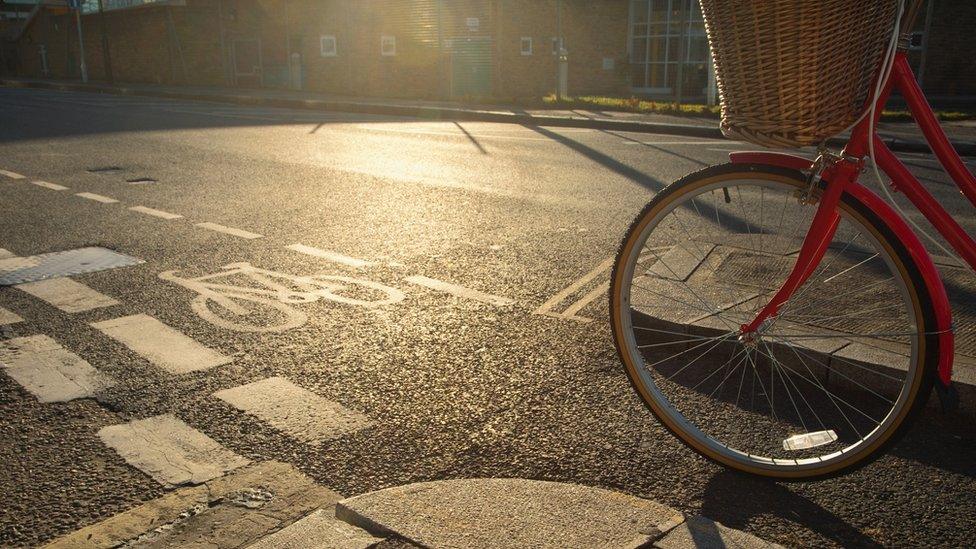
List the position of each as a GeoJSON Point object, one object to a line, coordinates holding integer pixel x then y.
{"type": "Point", "coordinates": [163, 346]}
{"type": "Point", "coordinates": [294, 410]}
{"type": "Point", "coordinates": [66, 294]}
{"type": "Point", "coordinates": [49, 371]}
{"type": "Point", "coordinates": [170, 451]}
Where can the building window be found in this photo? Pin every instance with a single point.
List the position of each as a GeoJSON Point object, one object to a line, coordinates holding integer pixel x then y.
{"type": "Point", "coordinates": [388, 45]}
{"type": "Point", "coordinates": [668, 43]}
{"type": "Point", "coordinates": [526, 45]}
{"type": "Point", "coordinates": [327, 44]}
{"type": "Point", "coordinates": [557, 45]}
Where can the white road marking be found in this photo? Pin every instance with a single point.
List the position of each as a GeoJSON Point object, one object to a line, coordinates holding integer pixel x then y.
{"type": "Point", "coordinates": [49, 371]}
{"type": "Point", "coordinates": [170, 451]}
{"type": "Point", "coordinates": [155, 213]}
{"type": "Point", "coordinates": [12, 175]}
{"type": "Point", "coordinates": [67, 295]}
{"type": "Point", "coordinates": [331, 256]}
{"type": "Point", "coordinates": [294, 410]}
{"type": "Point", "coordinates": [9, 317]}
{"type": "Point", "coordinates": [228, 230]}
{"type": "Point", "coordinates": [570, 313]}
{"type": "Point", "coordinates": [97, 198]}
{"type": "Point", "coordinates": [52, 186]}
{"type": "Point", "coordinates": [459, 291]}
{"type": "Point", "coordinates": [161, 345]}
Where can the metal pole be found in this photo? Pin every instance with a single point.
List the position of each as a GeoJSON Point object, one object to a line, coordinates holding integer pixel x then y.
{"type": "Point", "coordinates": [81, 45]}
{"type": "Point", "coordinates": [925, 43]}
{"type": "Point", "coordinates": [223, 42]}
{"type": "Point", "coordinates": [559, 45]}
{"type": "Point", "coordinates": [291, 80]}
{"type": "Point", "coordinates": [106, 54]}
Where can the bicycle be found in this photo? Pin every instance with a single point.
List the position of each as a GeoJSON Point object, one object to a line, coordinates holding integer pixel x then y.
{"type": "Point", "coordinates": [780, 318]}
{"type": "Point", "coordinates": [268, 308]}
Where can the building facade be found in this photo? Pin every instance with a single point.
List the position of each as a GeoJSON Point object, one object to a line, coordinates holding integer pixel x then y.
{"type": "Point", "coordinates": [460, 49]}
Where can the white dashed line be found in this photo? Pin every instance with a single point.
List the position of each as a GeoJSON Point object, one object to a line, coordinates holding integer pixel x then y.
{"type": "Point", "coordinates": [294, 410]}
{"type": "Point", "coordinates": [459, 291]}
{"type": "Point", "coordinates": [9, 317]}
{"type": "Point", "coordinates": [228, 230]}
{"type": "Point", "coordinates": [67, 295]}
{"type": "Point", "coordinates": [49, 371]}
{"type": "Point", "coordinates": [161, 345]}
{"type": "Point", "coordinates": [170, 451]}
{"type": "Point", "coordinates": [97, 198]}
{"type": "Point", "coordinates": [11, 175]}
{"type": "Point", "coordinates": [331, 256]}
{"type": "Point", "coordinates": [155, 213]}
{"type": "Point", "coordinates": [52, 186]}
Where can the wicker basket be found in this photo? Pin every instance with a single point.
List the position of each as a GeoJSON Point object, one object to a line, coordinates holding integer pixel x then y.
{"type": "Point", "coordinates": [792, 73]}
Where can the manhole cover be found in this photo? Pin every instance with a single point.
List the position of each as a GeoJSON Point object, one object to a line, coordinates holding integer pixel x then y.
{"type": "Point", "coordinates": [17, 270]}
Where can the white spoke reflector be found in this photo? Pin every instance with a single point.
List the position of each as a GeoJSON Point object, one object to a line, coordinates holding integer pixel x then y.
{"type": "Point", "coordinates": [809, 440]}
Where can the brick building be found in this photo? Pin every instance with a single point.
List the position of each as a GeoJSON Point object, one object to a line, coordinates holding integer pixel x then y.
{"type": "Point", "coordinates": [422, 48]}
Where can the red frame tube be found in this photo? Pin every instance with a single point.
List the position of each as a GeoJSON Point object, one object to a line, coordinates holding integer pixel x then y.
{"type": "Point", "coordinates": [842, 178]}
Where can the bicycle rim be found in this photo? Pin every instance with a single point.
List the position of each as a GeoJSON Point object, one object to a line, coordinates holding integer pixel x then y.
{"type": "Point", "coordinates": [829, 379]}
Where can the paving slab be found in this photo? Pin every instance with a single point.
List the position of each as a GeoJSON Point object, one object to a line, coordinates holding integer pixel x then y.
{"type": "Point", "coordinates": [49, 371]}
{"type": "Point", "coordinates": [294, 410]}
{"type": "Point", "coordinates": [501, 513]}
{"type": "Point", "coordinates": [170, 451]}
{"type": "Point", "coordinates": [702, 533]}
{"type": "Point", "coordinates": [228, 512]}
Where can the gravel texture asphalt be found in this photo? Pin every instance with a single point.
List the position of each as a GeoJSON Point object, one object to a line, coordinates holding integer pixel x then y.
{"type": "Point", "coordinates": [455, 388]}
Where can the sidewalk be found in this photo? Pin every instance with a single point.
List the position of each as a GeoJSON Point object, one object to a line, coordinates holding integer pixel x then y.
{"type": "Point", "coordinates": [900, 137]}
{"type": "Point", "coordinates": [272, 505]}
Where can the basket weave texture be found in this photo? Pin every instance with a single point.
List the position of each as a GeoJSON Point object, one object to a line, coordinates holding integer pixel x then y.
{"type": "Point", "coordinates": [792, 73]}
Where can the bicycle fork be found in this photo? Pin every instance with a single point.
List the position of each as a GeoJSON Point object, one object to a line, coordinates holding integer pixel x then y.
{"type": "Point", "coordinates": [839, 172]}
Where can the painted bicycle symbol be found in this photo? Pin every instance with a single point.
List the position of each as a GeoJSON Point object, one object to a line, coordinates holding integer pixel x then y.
{"type": "Point", "coordinates": [265, 304]}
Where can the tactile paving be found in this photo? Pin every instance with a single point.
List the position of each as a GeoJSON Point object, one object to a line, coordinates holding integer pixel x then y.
{"type": "Point", "coordinates": [17, 270]}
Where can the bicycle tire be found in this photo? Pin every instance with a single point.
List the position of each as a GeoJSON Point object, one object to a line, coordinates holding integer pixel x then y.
{"type": "Point", "coordinates": [926, 360]}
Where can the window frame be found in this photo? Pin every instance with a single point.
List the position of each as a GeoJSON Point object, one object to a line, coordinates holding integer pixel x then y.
{"type": "Point", "coordinates": [388, 40]}
{"type": "Point", "coordinates": [522, 42]}
{"type": "Point", "coordinates": [335, 45]}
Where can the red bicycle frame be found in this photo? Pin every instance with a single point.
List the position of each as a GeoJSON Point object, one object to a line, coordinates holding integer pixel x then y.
{"type": "Point", "coordinates": [842, 176]}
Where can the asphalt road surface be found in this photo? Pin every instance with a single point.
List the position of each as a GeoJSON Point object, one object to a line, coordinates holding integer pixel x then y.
{"type": "Point", "coordinates": [455, 349]}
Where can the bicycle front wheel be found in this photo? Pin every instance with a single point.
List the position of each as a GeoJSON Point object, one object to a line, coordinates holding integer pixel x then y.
{"type": "Point", "coordinates": [820, 388]}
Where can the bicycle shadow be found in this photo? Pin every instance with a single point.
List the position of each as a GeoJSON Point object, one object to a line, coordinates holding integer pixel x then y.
{"type": "Point", "coordinates": [723, 501]}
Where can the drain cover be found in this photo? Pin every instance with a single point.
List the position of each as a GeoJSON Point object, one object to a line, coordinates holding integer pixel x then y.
{"type": "Point", "coordinates": [17, 270]}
